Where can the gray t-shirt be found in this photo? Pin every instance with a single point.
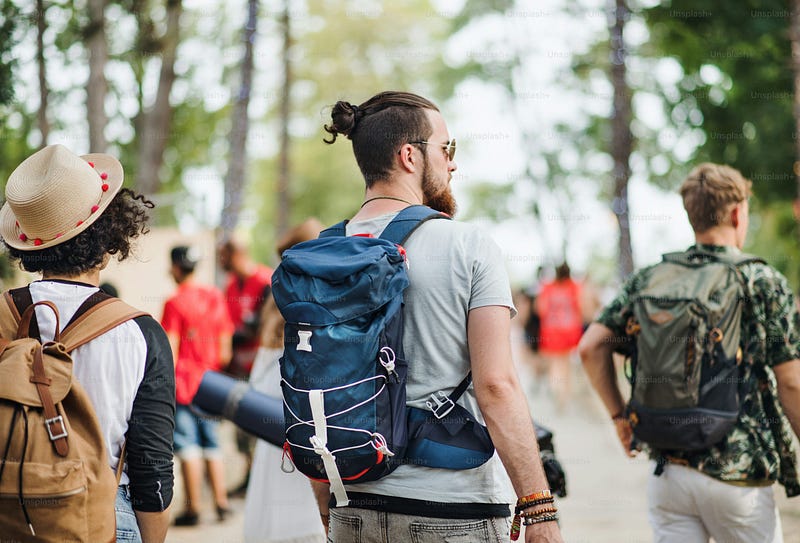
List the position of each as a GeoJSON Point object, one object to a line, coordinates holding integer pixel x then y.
{"type": "Point", "coordinates": [453, 267]}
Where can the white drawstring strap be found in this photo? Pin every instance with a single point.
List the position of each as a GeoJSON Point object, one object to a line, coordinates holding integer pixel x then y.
{"type": "Point", "coordinates": [320, 443]}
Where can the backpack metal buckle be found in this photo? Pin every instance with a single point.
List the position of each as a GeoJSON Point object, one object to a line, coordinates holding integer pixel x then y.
{"type": "Point", "coordinates": [55, 420]}
{"type": "Point", "coordinates": [443, 404]}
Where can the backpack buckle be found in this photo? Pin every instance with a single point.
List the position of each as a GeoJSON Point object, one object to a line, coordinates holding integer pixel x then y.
{"type": "Point", "coordinates": [55, 420]}
{"type": "Point", "coordinates": [443, 405]}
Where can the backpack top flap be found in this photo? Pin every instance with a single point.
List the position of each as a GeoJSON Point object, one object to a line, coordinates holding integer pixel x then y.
{"type": "Point", "coordinates": [16, 369]}
{"type": "Point", "coordinates": [17, 357]}
{"type": "Point", "coordinates": [329, 280]}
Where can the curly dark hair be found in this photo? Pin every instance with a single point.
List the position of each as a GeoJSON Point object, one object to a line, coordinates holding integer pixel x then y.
{"type": "Point", "coordinates": [112, 233]}
{"type": "Point", "coordinates": [378, 128]}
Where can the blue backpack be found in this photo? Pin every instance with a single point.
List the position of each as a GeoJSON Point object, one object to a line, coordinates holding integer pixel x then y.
{"type": "Point", "coordinates": [343, 371]}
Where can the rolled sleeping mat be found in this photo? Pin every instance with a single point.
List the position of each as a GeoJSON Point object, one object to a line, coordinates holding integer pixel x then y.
{"type": "Point", "coordinates": [235, 400]}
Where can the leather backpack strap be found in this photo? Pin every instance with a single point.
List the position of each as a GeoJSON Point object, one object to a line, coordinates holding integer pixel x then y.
{"type": "Point", "coordinates": [54, 423]}
{"type": "Point", "coordinates": [121, 464]}
{"type": "Point", "coordinates": [96, 321]}
{"type": "Point", "coordinates": [9, 320]}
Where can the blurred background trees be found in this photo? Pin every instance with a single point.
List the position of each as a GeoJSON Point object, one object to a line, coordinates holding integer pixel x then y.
{"type": "Point", "coordinates": [216, 107]}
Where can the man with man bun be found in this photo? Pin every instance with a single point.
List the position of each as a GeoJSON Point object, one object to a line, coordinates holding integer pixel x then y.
{"type": "Point", "coordinates": [457, 315]}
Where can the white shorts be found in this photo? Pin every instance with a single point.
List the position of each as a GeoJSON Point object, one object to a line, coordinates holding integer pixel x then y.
{"type": "Point", "coordinates": [686, 506]}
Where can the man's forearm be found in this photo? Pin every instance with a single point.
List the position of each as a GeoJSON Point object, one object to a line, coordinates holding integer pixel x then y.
{"type": "Point", "coordinates": [153, 526]}
{"type": "Point", "coordinates": [597, 356]}
{"type": "Point", "coordinates": [788, 378]}
{"type": "Point", "coordinates": [505, 410]}
{"type": "Point", "coordinates": [322, 493]}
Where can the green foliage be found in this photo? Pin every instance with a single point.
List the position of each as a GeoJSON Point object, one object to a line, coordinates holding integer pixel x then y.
{"type": "Point", "coordinates": [738, 83]}
{"type": "Point", "coordinates": [773, 236]}
{"type": "Point", "coordinates": [9, 15]}
{"type": "Point", "coordinates": [747, 110]}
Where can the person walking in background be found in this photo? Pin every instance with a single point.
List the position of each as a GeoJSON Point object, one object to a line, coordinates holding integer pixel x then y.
{"type": "Point", "coordinates": [532, 327]}
{"type": "Point", "coordinates": [457, 315]}
{"type": "Point", "coordinates": [561, 326]}
{"type": "Point", "coordinates": [279, 506]}
{"type": "Point", "coordinates": [247, 287]}
{"type": "Point", "coordinates": [199, 331]}
{"type": "Point", "coordinates": [722, 490]}
{"type": "Point", "coordinates": [65, 216]}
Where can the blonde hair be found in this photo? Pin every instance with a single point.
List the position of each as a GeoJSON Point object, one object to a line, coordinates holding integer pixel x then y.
{"type": "Point", "coordinates": [709, 192]}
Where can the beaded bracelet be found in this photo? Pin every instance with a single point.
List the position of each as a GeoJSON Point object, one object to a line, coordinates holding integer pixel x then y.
{"type": "Point", "coordinates": [519, 509]}
{"type": "Point", "coordinates": [529, 521]}
{"type": "Point", "coordinates": [523, 501]}
{"type": "Point", "coordinates": [544, 496]}
{"type": "Point", "coordinates": [540, 512]}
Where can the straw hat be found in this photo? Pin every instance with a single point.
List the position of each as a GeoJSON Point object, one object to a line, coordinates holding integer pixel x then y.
{"type": "Point", "coordinates": [54, 195]}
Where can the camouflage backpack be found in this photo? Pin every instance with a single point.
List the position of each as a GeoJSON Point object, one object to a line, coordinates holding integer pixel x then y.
{"type": "Point", "coordinates": [685, 365]}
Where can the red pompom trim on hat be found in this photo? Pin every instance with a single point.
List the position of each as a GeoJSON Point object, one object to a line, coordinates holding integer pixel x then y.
{"type": "Point", "coordinates": [95, 208]}
{"type": "Point", "coordinates": [37, 242]}
{"type": "Point", "coordinates": [79, 223]}
{"type": "Point", "coordinates": [104, 176]}
{"type": "Point", "coordinates": [104, 187]}
{"type": "Point", "coordinates": [59, 235]}
{"type": "Point", "coordinates": [23, 237]}
{"type": "Point", "coordinates": [91, 164]}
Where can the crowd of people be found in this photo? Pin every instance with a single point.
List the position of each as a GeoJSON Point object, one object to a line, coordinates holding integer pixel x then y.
{"type": "Point", "coordinates": [66, 216]}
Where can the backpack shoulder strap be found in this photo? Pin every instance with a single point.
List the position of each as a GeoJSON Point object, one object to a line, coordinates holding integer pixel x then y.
{"type": "Point", "coordinates": [407, 221]}
{"type": "Point", "coordinates": [338, 229]}
{"type": "Point", "coordinates": [96, 320]}
{"type": "Point", "coordinates": [9, 316]}
{"type": "Point", "coordinates": [18, 300]}
{"type": "Point", "coordinates": [744, 258]}
{"type": "Point", "coordinates": [397, 231]}
{"type": "Point", "coordinates": [695, 258]}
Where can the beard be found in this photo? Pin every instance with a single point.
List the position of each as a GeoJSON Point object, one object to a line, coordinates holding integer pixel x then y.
{"type": "Point", "coordinates": [438, 198]}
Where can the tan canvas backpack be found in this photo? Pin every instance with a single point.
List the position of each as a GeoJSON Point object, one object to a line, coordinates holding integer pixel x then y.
{"type": "Point", "coordinates": [55, 482]}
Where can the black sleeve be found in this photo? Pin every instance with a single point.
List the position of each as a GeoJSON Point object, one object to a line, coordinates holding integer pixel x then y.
{"type": "Point", "coordinates": [152, 423]}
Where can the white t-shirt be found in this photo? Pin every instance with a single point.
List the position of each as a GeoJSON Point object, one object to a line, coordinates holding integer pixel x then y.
{"type": "Point", "coordinates": [453, 267]}
{"type": "Point", "coordinates": [110, 384]}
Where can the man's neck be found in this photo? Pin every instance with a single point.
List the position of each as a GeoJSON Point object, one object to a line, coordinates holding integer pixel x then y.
{"type": "Point", "coordinates": [721, 236]}
{"type": "Point", "coordinates": [383, 198]}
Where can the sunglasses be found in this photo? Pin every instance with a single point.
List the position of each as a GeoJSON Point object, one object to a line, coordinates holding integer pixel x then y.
{"type": "Point", "coordinates": [449, 147]}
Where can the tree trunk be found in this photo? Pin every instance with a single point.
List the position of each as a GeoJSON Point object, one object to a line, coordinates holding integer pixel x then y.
{"type": "Point", "coordinates": [794, 35]}
{"type": "Point", "coordinates": [622, 138]}
{"type": "Point", "coordinates": [284, 197]}
{"type": "Point", "coordinates": [236, 176]}
{"type": "Point", "coordinates": [41, 27]}
{"type": "Point", "coordinates": [155, 128]}
{"type": "Point", "coordinates": [97, 88]}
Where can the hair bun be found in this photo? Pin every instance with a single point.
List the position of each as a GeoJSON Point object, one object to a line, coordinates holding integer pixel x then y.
{"type": "Point", "coordinates": [345, 117]}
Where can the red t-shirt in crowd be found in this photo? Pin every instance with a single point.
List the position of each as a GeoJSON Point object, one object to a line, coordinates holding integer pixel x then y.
{"type": "Point", "coordinates": [244, 297]}
{"type": "Point", "coordinates": [561, 322]}
{"type": "Point", "coordinates": [197, 314]}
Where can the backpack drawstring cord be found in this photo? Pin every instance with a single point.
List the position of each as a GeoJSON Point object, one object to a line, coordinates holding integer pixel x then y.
{"type": "Point", "coordinates": [8, 440]}
{"type": "Point", "coordinates": [14, 417]}
{"type": "Point", "coordinates": [21, 466]}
